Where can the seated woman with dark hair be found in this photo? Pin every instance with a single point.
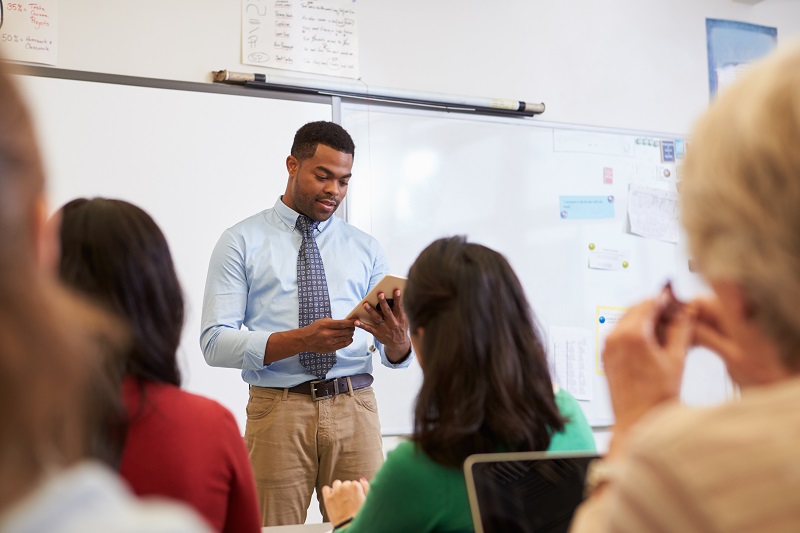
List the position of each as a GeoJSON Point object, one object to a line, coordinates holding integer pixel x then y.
{"type": "Point", "coordinates": [177, 444]}
{"type": "Point", "coordinates": [486, 388]}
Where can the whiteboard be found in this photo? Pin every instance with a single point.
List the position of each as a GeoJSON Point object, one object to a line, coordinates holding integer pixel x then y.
{"type": "Point", "coordinates": [197, 162]}
{"type": "Point", "coordinates": [498, 181]}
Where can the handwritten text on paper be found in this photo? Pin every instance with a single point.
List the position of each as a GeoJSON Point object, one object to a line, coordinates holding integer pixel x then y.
{"type": "Point", "coordinates": [653, 213]}
{"type": "Point", "coordinates": [571, 360]}
{"type": "Point", "coordinates": [316, 36]}
{"type": "Point", "coordinates": [29, 32]}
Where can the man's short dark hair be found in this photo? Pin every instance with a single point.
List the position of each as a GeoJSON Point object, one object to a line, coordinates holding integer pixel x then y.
{"type": "Point", "coordinates": [321, 132]}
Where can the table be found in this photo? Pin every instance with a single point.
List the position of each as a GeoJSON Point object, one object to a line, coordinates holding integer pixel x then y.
{"type": "Point", "coordinates": [301, 528]}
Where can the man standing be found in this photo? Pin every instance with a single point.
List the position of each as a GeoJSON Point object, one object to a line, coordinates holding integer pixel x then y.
{"type": "Point", "coordinates": [285, 273]}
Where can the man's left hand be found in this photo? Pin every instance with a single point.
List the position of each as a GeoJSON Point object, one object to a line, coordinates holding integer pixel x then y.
{"type": "Point", "coordinates": [390, 326]}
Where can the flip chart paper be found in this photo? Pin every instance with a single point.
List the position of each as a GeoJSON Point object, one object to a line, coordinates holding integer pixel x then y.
{"type": "Point", "coordinates": [319, 37]}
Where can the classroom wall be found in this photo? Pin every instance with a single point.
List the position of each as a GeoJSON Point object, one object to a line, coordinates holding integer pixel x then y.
{"type": "Point", "coordinates": [638, 64]}
{"type": "Point", "coordinates": [635, 64]}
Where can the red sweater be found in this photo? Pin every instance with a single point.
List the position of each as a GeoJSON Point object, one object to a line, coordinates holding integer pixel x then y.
{"type": "Point", "coordinates": [186, 447]}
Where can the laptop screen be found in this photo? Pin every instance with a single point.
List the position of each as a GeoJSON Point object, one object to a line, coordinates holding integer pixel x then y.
{"type": "Point", "coordinates": [525, 492]}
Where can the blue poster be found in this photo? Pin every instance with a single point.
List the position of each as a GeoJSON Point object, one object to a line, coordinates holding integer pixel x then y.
{"type": "Point", "coordinates": [732, 46]}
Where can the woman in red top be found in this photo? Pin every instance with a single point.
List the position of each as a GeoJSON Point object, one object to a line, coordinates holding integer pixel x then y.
{"type": "Point", "coordinates": [176, 444]}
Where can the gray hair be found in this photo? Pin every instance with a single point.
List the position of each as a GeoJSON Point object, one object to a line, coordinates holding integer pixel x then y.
{"type": "Point", "coordinates": [741, 194]}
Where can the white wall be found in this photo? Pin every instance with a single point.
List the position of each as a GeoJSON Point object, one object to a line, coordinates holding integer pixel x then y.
{"type": "Point", "coordinates": [637, 64]}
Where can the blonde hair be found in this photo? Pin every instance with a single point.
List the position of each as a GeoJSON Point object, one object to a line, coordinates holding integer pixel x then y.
{"type": "Point", "coordinates": [741, 194]}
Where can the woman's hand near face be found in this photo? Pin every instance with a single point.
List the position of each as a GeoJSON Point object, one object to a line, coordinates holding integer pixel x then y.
{"type": "Point", "coordinates": [644, 358]}
{"type": "Point", "coordinates": [761, 367]}
{"type": "Point", "coordinates": [343, 499]}
{"type": "Point", "coordinates": [710, 332]}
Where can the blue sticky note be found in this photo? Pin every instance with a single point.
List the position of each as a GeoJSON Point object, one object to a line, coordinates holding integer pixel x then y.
{"type": "Point", "coordinates": [577, 207]}
{"type": "Point", "coordinates": [680, 149]}
{"type": "Point", "coordinates": [667, 151]}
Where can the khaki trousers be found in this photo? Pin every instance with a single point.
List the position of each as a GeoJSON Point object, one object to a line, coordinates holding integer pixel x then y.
{"type": "Point", "coordinates": [298, 445]}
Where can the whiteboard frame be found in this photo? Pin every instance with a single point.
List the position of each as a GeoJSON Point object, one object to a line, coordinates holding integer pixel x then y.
{"type": "Point", "coordinates": [157, 83]}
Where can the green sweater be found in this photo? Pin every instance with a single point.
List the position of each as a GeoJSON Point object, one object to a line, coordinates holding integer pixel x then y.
{"type": "Point", "coordinates": [413, 493]}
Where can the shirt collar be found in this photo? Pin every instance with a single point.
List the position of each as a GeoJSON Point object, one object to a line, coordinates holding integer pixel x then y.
{"type": "Point", "coordinates": [289, 216]}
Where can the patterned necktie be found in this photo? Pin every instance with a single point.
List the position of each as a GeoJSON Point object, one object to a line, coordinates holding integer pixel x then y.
{"type": "Point", "coordinates": [312, 292]}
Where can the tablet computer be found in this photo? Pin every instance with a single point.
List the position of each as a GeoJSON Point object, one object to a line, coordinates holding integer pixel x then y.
{"type": "Point", "coordinates": [387, 285]}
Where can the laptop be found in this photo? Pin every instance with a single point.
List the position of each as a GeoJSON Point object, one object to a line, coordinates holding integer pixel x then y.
{"type": "Point", "coordinates": [525, 491]}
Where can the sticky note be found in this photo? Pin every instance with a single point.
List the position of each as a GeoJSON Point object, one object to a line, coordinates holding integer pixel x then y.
{"type": "Point", "coordinates": [582, 207]}
{"type": "Point", "coordinates": [608, 175]}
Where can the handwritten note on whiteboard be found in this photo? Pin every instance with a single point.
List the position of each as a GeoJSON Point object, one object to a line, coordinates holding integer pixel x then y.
{"type": "Point", "coordinates": [653, 213]}
{"type": "Point", "coordinates": [316, 36]}
{"type": "Point", "coordinates": [571, 360]}
{"type": "Point", "coordinates": [607, 318]}
{"type": "Point", "coordinates": [29, 32]}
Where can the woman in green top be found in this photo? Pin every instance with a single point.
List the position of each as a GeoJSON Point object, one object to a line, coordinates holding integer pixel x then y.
{"type": "Point", "coordinates": [486, 388]}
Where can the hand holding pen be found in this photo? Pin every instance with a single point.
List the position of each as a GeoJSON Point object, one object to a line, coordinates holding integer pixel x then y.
{"type": "Point", "coordinates": [644, 356]}
{"type": "Point", "coordinates": [667, 309]}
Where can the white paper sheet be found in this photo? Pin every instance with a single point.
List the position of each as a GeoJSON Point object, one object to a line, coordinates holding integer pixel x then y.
{"type": "Point", "coordinates": [730, 73]}
{"type": "Point", "coordinates": [571, 358]}
{"type": "Point", "coordinates": [653, 213]}
{"type": "Point", "coordinates": [317, 36]}
{"type": "Point", "coordinates": [609, 259]}
{"type": "Point", "coordinates": [607, 318]}
{"type": "Point", "coordinates": [30, 31]}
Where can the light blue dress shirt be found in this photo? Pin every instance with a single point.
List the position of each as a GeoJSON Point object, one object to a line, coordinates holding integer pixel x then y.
{"type": "Point", "coordinates": [252, 281]}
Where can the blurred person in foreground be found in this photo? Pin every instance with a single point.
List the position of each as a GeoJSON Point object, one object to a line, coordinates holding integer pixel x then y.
{"type": "Point", "coordinates": [731, 467]}
{"type": "Point", "coordinates": [52, 351]}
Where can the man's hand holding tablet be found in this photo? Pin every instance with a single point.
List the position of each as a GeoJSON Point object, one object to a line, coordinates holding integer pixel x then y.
{"type": "Point", "coordinates": [381, 314]}
{"type": "Point", "coordinates": [388, 285]}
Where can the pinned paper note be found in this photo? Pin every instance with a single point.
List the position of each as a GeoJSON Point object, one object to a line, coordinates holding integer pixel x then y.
{"type": "Point", "coordinates": [608, 259]}
{"type": "Point", "coordinates": [571, 359]}
{"type": "Point", "coordinates": [608, 176]}
{"type": "Point", "coordinates": [607, 318]}
{"type": "Point", "coordinates": [653, 213]}
{"type": "Point", "coordinates": [319, 37]}
{"type": "Point", "coordinates": [29, 31]}
{"type": "Point", "coordinates": [583, 207]}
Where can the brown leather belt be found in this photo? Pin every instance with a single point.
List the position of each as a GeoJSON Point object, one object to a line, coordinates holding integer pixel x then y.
{"type": "Point", "coordinates": [325, 388]}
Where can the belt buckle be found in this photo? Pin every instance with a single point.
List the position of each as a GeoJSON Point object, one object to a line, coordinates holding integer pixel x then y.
{"type": "Point", "coordinates": [314, 384]}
